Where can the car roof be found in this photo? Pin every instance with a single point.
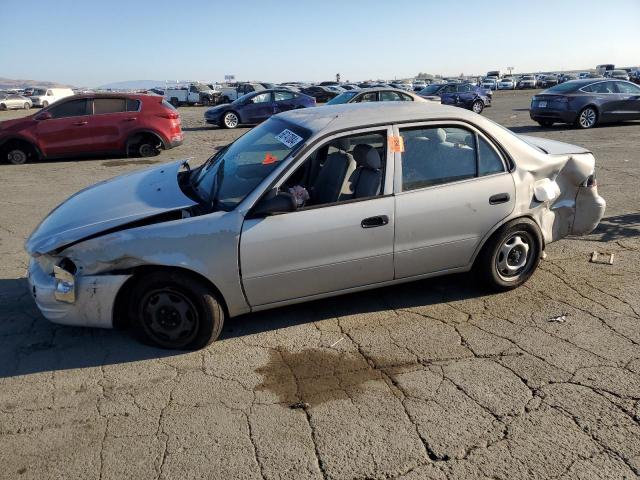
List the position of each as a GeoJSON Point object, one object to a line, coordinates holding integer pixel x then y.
{"type": "Point", "coordinates": [360, 115]}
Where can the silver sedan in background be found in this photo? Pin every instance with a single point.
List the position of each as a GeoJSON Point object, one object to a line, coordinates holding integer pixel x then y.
{"type": "Point", "coordinates": [12, 101]}
{"type": "Point", "coordinates": [311, 203]}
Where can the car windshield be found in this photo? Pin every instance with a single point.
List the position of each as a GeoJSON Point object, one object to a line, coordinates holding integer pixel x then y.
{"type": "Point", "coordinates": [342, 98]}
{"type": "Point", "coordinates": [430, 90]}
{"type": "Point", "coordinates": [230, 175]}
{"type": "Point", "coordinates": [562, 87]}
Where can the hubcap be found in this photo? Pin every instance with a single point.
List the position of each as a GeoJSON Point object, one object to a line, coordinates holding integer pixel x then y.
{"type": "Point", "coordinates": [231, 120]}
{"type": "Point", "coordinates": [477, 107]}
{"type": "Point", "coordinates": [146, 150]}
{"type": "Point", "coordinates": [588, 118]}
{"type": "Point", "coordinates": [513, 255]}
{"type": "Point", "coordinates": [169, 317]}
{"type": "Point", "coordinates": [17, 157]}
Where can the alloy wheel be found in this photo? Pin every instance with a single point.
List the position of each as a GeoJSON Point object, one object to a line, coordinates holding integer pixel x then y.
{"type": "Point", "coordinates": [17, 157]}
{"type": "Point", "coordinates": [587, 118]}
{"type": "Point", "coordinates": [477, 106]}
{"type": "Point", "coordinates": [231, 120]}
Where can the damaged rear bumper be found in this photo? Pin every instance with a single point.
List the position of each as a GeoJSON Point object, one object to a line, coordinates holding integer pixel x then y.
{"type": "Point", "coordinates": [92, 301]}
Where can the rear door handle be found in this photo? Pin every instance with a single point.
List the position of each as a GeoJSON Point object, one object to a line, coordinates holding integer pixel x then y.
{"type": "Point", "coordinates": [499, 198]}
{"type": "Point", "coordinates": [79, 124]}
{"type": "Point", "coordinates": [372, 222]}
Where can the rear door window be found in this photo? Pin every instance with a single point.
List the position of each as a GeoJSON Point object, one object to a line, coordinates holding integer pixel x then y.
{"type": "Point", "coordinates": [109, 105]}
{"type": "Point", "coordinates": [387, 96]}
{"type": "Point", "coordinates": [282, 96]}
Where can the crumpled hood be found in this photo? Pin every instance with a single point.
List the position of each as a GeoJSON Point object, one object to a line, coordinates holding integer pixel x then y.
{"type": "Point", "coordinates": [109, 204]}
{"type": "Point", "coordinates": [553, 147]}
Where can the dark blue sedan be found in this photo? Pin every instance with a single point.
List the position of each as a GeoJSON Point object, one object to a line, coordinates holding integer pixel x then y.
{"type": "Point", "coordinates": [256, 107]}
{"type": "Point", "coordinates": [587, 102]}
{"type": "Point", "coordinates": [465, 95]}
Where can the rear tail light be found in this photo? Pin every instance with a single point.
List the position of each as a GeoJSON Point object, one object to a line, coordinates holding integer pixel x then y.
{"type": "Point", "coordinates": [169, 115]}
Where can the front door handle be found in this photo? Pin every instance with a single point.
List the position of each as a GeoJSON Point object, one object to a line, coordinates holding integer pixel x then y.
{"type": "Point", "coordinates": [499, 198]}
{"type": "Point", "coordinates": [130, 119]}
{"type": "Point", "coordinates": [372, 222]}
{"type": "Point", "coordinates": [80, 124]}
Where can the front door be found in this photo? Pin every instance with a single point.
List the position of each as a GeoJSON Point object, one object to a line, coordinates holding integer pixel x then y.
{"type": "Point", "coordinates": [344, 243]}
{"type": "Point", "coordinates": [69, 131]}
{"type": "Point", "coordinates": [629, 107]}
{"type": "Point", "coordinates": [454, 188]}
{"type": "Point", "coordinates": [258, 108]}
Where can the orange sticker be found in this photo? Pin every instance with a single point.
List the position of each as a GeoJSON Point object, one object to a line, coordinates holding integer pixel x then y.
{"type": "Point", "coordinates": [269, 159]}
{"type": "Point", "coordinates": [397, 144]}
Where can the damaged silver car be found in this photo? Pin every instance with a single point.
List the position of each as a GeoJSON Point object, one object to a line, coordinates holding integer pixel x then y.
{"type": "Point", "coordinates": [311, 203]}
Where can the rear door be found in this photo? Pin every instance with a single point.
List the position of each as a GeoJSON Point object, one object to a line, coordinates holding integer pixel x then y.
{"type": "Point", "coordinates": [452, 188]}
{"type": "Point", "coordinates": [69, 131]}
{"type": "Point", "coordinates": [111, 122]}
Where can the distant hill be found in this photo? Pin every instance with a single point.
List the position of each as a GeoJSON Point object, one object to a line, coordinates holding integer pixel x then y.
{"type": "Point", "coordinates": [21, 83]}
{"type": "Point", "coordinates": [132, 85]}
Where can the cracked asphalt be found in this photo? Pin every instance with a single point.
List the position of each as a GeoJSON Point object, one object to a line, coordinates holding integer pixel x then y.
{"type": "Point", "coordinates": [431, 380]}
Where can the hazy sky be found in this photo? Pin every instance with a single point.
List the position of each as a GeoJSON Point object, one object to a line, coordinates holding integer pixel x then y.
{"type": "Point", "coordinates": [91, 43]}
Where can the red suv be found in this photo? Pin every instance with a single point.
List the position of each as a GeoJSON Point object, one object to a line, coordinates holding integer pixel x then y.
{"type": "Point", "coordinates": [95, 124]}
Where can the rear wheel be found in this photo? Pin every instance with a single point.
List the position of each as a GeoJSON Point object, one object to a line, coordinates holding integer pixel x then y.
{"type": "Point", "coordinates": [477, 106]}
{"type": "Point", "coordinates": [230, 120]}
{"type": "Point", "coordinates": [27, 105]}
{"type": "Point", "coordinates": [510, 256]}
{"type": "Point", "coordinates": [3, 107]}
{"type": "Point", "coordinates": [174, 101]}
{"type": "Point", "coordinates": [587, 118]}
{"type": "Point", "coordinates": [45, 104]}
{"type": "Point", "coordinates": [175, 310]}
{"type": "Point", "coordinates": [145, 145]}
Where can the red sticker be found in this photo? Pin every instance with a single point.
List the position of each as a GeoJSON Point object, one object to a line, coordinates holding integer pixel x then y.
{"type": "Point", "coordinates": [397, 144]}
{"type": "Point", "coordinates": [269, 159]}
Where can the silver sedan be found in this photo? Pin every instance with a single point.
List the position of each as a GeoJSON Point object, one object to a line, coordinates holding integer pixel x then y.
{"type": "Point", "coordinates": [12, 101]}
{"type": "Point", "coordinates": [311, 203]}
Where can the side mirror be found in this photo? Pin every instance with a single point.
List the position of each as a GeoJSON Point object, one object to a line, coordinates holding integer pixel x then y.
{"type": "Point", "coordinates": [274, 202]}
{"type": "Point", "coordinates": [44, 116]}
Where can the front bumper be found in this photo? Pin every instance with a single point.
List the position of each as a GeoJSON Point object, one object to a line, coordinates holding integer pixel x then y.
{"type": "Point", "coordinates": [94, 298]}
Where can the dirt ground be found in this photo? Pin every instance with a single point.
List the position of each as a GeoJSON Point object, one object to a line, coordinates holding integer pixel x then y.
{"type": "Point", "coordinates": [430, 380]}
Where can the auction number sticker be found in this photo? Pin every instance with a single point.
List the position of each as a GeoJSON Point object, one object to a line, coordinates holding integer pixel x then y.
{"type": "Point", "coordinates": [288, 138]}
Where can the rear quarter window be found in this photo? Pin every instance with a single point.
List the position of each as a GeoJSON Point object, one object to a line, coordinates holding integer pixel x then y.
{"type": "Point", "coordinates": [133, 105]}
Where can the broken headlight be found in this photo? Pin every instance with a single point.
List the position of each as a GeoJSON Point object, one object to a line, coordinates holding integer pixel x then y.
{"type": "Point", "coordinates": [65, 281]}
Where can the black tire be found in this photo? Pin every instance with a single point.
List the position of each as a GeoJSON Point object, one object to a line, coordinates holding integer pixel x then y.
{"type": "Point", "coordinates": [477, 106]}
{"type": "Point", "coordinates": [3, 107]}
{"type": "Point", "coordinates": [45, 104]}
{"type": "Point", "coordinates": [230, 120]}
{"type": "Point", "coordinates": [144, 146]}
{"type": "Point", "coordinates": [546, 123]}
{"type": "Point", "coordinates": [503, 252]}
{"type": "Point", "coordinates": [17, 156]}
{"type": "Point", "coordinates": [27, 105]}
{"type": "Point", "coordinates": [587, 118]}
{"type": "Point", "coordinates": [175, 310]}
{"type": "Point", "coordinates": [175, 102]}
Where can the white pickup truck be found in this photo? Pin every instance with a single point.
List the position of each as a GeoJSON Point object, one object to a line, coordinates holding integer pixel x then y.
{"type": "Point", "coordinates": [192, 94]}
{"type": "Point", "coordinates": [229, 94]}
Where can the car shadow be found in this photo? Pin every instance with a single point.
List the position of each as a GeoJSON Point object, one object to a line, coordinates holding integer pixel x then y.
{"type": "Point", "coordinates": [619, 227]}
{"type": "Point", "coordinates": [30, 344]}
{"type": "Point", "coordinates": [200, 129]}
{"type": "Point", "coordinates": [566, 126]}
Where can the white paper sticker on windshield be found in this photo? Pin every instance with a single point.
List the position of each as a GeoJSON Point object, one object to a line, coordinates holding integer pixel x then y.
{"type": "Point", "coordinates": [288, 138]}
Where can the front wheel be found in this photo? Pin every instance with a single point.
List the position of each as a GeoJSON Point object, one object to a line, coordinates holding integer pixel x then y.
{"type": "Point", "coordinates": [587, 118]}
{"type": "Point", "coordinates": [510, 256]}
{"type": "Point", "coordinates": [17, 156]}
{"type": "Point", "coordinates": [27, 105]}
{"type": "Point", "coordinates": [230, 120]}
{"type": "Point", "coordinates": [45, 104]}
{"type": "Point", "coordinates": [176, 311]}
{"type": "Point", "coordinates": [477, 106]}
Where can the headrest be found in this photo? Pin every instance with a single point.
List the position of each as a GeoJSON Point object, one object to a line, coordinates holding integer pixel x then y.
{"type": "Point", "coordinates": [342, 144]}
{"type": "Point", "coordinates": [436, 134]}
{"type": "Point", "coordinates": [366, 156]}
